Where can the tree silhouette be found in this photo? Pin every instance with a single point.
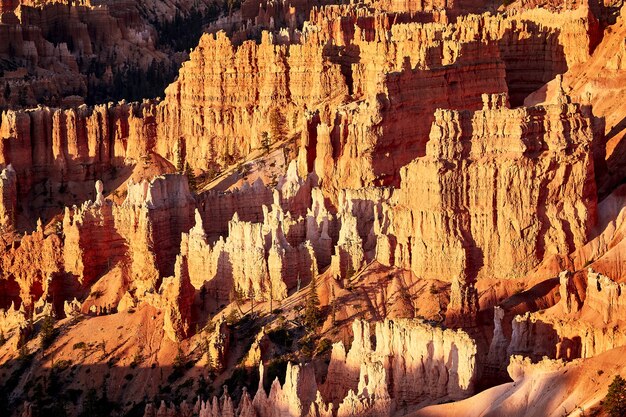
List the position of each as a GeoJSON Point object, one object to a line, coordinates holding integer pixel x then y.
{"type": "Point", "coordinates": [312, 306]}
{"type": "Point", "coordinates": [278, 125]}
{"type": "Point", "coordinates": [615, 400]}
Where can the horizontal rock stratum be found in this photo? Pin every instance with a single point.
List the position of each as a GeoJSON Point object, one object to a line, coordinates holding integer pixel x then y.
{"type": "Point", "coordinates": [316, 209]}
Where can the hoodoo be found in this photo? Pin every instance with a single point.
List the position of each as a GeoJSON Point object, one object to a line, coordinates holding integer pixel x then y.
{"type": "Point", "coordinates": [255, 208]}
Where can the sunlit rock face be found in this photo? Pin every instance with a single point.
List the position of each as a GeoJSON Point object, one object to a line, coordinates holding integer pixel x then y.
{"type": "Point", "coordinates": [478, 214]}
{"type": "Point", "coordinates": [387, 207]}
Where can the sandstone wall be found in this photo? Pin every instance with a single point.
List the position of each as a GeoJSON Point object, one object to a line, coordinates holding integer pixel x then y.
{"type": "Point", "coordinates": [73, 145]}
{"type": "Point", "coordinates": [8, 199]}
{"type": "Point", "coordinates": [490, 170]}
{"type": "Point", "coordinates": [423, 362]}
{"type": "Point", "coordinates": [571, 329]}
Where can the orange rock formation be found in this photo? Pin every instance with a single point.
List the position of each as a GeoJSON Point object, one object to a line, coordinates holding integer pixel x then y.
{"type": "Point", "coordinates": [446, 169]}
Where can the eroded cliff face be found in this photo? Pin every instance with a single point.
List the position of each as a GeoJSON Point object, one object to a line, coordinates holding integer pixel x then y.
{"type": "Point", "coordinates": [63, 53]}
{"type": "Point", "coordinates": [599, 82]}
{"type": "Point", "coordinates": [102, 246]}
{"type": "Point", "coordinates": [477, 217]}
{"type": "Point", "coordinates": [423, 361]}
{"type": "Point", "coordinates": [596, 328]}
{"type": "Point", "coordinates": [374, 157]}
{"type": "Point", "coordinates": [352, 99]}
{"type": "Point", "coordinates": [57, 155]}
{"type": "Point", "coordinates": [221, 102]}
{"type": "Point", "coordinates": [8, 202]}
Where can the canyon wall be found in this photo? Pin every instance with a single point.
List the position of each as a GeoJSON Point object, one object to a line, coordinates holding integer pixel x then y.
{"type": "Point", "coordinates": [63, 53]}
{"type": "Point", "coordinates": [75, 144]}
{"type": "Point", "coordinates": [497, 154]}
{"type": "Point", "coordinates": [376, 67]}
{"type": "Point", "coordinates": [424, 362]}
{"type": "Point", "coordinates": [376, 147]}
{"type": "Point", "coordinates": [579, 326]}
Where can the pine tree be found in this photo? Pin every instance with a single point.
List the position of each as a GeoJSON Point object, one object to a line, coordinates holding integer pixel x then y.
{"type": "Point", "coordinates": [311, 309]}
{"type": "Point", "coordinates": [615, 400]}
{"type": "Point", "coordinates": [23, 353]}
{"type": "Point", "coordinates": [3, 339]}
{"type": "Point", "coordinates": [278, 129]}
{"type": "Point", "coordinates": [179, 360]}
{"type": "Point", "coordinates": [235, 297]}
{"type": "Point", "coordinates": [350, 271]}
{"type": "Point", "coordinates": [209, 361]}
{"type": "Point", "coordinates": [265, 141]}
{"type": "Point", "coordinates": [191, 178]}
{"type": "Point", "coordinates": [333, 306]}
{"type": "Point", "coordinates": [47, 331]}
{"type": "Point", "coordinates": [251, 298]}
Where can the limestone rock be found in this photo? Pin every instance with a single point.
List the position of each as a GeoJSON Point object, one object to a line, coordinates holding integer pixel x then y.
{"type": "Point", "coordinates": [178, 295]}
{"type": "Point", "coordinates": [418, 373]}
{"type": "Point", "coordinates": [8, 200]}
{"type": "Point", "coordinates": [569, 296]}
{"type": "Point", "coordinates": [452, 233]}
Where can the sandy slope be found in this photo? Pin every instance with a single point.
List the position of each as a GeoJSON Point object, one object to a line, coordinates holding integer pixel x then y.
{"type": "Point", "coordinates": [547, 389]}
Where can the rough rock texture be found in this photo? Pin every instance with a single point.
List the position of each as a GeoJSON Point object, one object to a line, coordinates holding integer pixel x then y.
{"type": "Point", "coordinates": [30, 270]}
{"type": "Point", "coordinates": [256, 259]}
{"type": "Point", "coordinates": [599, 82]}
{"type": "Point", "coordinates": [225, 115]}
{"type": "Point", "coordinates": [92, 242]}
{"type": "Point", "coordinates": [379, 65]}
{"type": "Point", "coordinates": [422, 361]}
{"type": "Point", "coordinates": [478, 178]}
{"type": "Point", "coordinates": [8, 201]}
{"type": "Point", "coordinates": [62, 52]}
{"type": "Point", "coordinates": [571, 329]}
{"type": "Point", "coordinates": [378, 146]}
{"type": "Point", "coordinates": [445, 369]}
{"type": "Point", "coordinates": [178, 295]}
{"type": "Point", "coordinates": [58, 154]}
{"type": "Point", "coordinates": [142, 234]}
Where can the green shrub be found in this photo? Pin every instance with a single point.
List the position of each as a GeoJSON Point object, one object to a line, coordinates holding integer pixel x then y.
{"type": "Point", "coordinates": [23, 354]}
{"type": "Point", "coordinates": [79, 345]}
{"type": "Point", "coordinates": [323, 346]}
{"type": "Point", "coordinates": [232, 318]}
{"type": "Point", "coordinates": [61, 365]}
{"type": "Point", "coordinates": [433, 289]}
{"type": "Point", "coordinates": [179, 360]}
{"type": "Point", "coordinates": [615, 400]}
{"type": "Point", "coordinates": [47, 332]}
{"type": "Point", "coordinates": [137, 359]}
